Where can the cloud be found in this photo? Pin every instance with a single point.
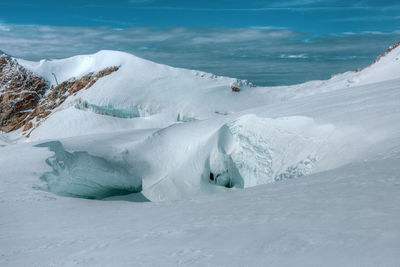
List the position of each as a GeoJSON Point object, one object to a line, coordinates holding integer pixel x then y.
{"type": "Point", "coordinates": [261, 5]}
{"type": "Point", "coordinates": [244, 6]}
{"type": "Point", "coordinates": [4, 27]}
{"type": "Point", "coordinates": [294, 56]}
{"type": "Point", "coordinates": [366, 18]}
{"type": "Point", "coordinates": [264, 55]}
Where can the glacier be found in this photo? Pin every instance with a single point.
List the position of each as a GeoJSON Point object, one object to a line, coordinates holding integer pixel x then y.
{"type": "Point", "coordinates": [190, 171]}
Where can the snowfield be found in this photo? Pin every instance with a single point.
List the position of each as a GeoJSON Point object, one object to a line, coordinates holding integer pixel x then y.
{"type": "Point", "coordinates": [160, 166]}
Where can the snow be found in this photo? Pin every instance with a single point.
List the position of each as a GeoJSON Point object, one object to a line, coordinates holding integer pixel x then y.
{"type": "Point", "coordinates": [77, 66]}
{"type": "Point", "coordinates": [269, 176]}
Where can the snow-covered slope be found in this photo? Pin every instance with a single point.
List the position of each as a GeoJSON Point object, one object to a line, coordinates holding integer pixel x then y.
{"type": "Point", "coordinates": [153, 132]}
{"type": "Point", "coordinates": [142, 88]}
{"type": "Point", "coordinates": [139, 89]}
{"type": "Point", "coordinates": [217, 142]}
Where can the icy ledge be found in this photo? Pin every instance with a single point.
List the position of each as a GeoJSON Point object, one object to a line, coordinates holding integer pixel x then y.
{"type": "Point", "coordinates": [110, 110]}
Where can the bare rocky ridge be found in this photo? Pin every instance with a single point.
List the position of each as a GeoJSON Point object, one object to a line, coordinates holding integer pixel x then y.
{"type": "Point", "coordinates": [23, 98]}
{"type": "Point", "coordinates": [390, 49]}
{"type": "Point", "coordinates": [20, 92]}
{"type": "Point", "coordinates": [59, 94]}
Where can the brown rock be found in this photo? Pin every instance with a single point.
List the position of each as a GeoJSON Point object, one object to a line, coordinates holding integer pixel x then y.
{"type": "Point", "coordinates": [235, 89]}
{"type": "Point", "coordinates": [27, 126]}
{"type": "Point", "coordinates": [22, 94]}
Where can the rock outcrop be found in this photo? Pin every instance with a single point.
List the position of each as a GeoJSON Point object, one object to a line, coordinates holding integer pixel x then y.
{"type": "Point", "coordinates": [20, 93]}
{"type": "Point", "coordinates": [59, 94]}
{"type": "Point", "coordinates": [235, 89]}
{"type": "Point", "coordinates": [25, 98]}
{"type": "Point", "coordinates": [390, 49]}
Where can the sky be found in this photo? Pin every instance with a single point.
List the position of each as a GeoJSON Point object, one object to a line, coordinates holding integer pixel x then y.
{"type": "Point", "coordinates": [266, 42]}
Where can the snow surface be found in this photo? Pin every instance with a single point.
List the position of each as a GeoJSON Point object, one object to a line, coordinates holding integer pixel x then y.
{"type": "Point", "coordinates": [320, 162]}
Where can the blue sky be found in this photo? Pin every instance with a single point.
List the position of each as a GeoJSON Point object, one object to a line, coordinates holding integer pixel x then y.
{"type": "Point", "coordinates": [316, 16]}
{"type": "Point", "coordinates": [268, 42]}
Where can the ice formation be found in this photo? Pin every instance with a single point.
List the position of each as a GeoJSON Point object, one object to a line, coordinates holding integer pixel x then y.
{"type": "Point", "coordinates": [80, 174]}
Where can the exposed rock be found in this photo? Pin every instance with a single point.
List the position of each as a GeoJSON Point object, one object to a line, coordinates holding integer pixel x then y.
{"type": "Point", "coordinates": [23, 102]}
{"type": "Point", "coordinates": [235, 89]}
{"type": "Point", "coordinates": [60, 93]}
{"type": "Point", "coordinates": [20, 92]}
{"type": "Point", "coordinates": [390, 49]}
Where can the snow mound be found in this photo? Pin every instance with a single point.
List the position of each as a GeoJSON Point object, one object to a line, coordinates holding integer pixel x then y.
{"type": "Point", "coordinates": [253, 150]}
{"type": "Point", "coordinates": [80, 174]}
{"type": "Point", "coordinates": [60, 70]}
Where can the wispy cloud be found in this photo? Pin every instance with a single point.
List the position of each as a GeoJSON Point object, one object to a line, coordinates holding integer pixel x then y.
{"type": "Point", "coordinates": [256, 9]}
{"type": "Point", "coordinates": [366, 18]}
{"type": "Point", "coordinates": [4, 28]}
{"type": "Point", "coordinates": [246, 6]}
{"type": "Point", "coordinates": [260, 5]}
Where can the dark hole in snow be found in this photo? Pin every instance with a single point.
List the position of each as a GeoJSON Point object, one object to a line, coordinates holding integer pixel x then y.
{"type": "Point", "coordinates": [211, 176]}
{"type": "Point", "coordinates": [220, 179]}
{"type": "Point", "coordinates": [79, 174]}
